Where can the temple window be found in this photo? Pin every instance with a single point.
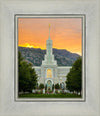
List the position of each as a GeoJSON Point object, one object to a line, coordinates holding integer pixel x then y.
{"type": "Point", "coordinates": [49, 73]}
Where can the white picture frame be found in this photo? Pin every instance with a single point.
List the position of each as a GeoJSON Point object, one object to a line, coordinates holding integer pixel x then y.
{"type": "Point", "coordinates": [83, 42]}
{"type": "Point", "coordinates": [8, 106]}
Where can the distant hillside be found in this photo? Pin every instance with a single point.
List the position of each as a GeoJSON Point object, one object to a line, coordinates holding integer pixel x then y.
{"type": "Point", "coordinates": [34, 55]}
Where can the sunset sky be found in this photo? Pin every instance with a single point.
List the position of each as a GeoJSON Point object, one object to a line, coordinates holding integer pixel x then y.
{"type": "Point", "coordinates": [66, 33]}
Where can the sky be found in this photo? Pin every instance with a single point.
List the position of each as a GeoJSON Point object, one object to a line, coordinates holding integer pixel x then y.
{"type": "Point", "coordinates": [66, 33]}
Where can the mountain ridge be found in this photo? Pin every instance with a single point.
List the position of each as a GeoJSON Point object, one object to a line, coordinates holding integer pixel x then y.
{"type": "Point", "coordinates": [36, 55]}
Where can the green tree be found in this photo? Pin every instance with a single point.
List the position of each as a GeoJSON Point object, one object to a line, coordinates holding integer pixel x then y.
{"type": "Point", "coordinates": [41, 86]}
{"type": "Point", "coordinates": [57, 86]}
{"type": "Point", "coordinates": [45, 86]}
{"type": "Point", "coordinates": [53, 87]}
{"type": "Point", "coordinates": [37, 86]}
{"type": "Point", "coordinates": [27, 75]}
{"type": "Point", "coordinates": [74, 77]}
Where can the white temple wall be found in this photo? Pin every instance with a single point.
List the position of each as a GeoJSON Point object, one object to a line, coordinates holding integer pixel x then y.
{"type": "Point", "coordinates": [58, 73]}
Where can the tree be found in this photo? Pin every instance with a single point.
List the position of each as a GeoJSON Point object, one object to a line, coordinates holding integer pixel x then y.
{"type": "Point", "coordinates": [41, 86]}
{"type": "Point", "coordinates": [45, 86]}
{"type": "Point", "coordinates": [60, 85]}
{"type": "Point", "coordinates": [27, 75]}
{"type": "Point", "coordinates": [37, 86]}
{"type": "Point", "coordinates": [57, 86]}
{"type": "Point", "coordinates": [53, 87]}
{"type": "Point", "coordinates": [74, 77]}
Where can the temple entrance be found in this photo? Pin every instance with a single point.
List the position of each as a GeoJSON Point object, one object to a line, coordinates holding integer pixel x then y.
{"type": "Point", "coordinates": [49, 85]}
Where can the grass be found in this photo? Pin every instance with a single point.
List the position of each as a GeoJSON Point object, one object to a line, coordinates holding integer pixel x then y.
{"type": "Point", "coordinates": [31, 95]}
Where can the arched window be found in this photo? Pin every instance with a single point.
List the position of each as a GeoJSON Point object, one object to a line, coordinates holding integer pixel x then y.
{"type": "Point", "coordinates": [63, 85]}
{"type": "Point", "coordinates": [49, 73]}
{"type": "Point", "coordinates": [49, 85]}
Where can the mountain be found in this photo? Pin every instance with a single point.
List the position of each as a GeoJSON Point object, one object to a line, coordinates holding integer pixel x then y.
{"type": "Point", "coordinates": [34, 55]}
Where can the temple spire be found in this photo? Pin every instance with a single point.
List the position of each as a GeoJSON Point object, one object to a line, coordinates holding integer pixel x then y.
{"type": "Point", "coordinates": [49, 31]}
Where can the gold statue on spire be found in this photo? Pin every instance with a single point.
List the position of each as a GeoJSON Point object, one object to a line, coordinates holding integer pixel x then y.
{"type": "Point", "coordinates": [49, 25]}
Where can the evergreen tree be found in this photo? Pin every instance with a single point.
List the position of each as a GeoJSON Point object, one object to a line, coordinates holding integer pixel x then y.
{"type": "Point", "coordinates": [74, 77]}
{"type": "Point", "coordinates": [27, 75]}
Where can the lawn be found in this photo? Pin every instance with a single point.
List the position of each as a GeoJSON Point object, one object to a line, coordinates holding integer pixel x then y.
{"type": "Point", "coordinates": [31, 95]}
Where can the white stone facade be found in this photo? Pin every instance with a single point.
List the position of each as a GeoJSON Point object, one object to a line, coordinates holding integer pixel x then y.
{"type": "Point", "coordinates": [49, 73]}
{"type": "Point", "coordinates": [59, 74]}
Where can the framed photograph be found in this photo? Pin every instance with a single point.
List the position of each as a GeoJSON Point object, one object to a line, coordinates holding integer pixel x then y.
{"type": "Point", "coordinates": [56, 57]}
{"type": "Point", "coordinates": [49, 58]}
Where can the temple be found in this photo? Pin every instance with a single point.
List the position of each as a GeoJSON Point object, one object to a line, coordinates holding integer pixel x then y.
{"type": "Point", "coordinates": [49, 73]}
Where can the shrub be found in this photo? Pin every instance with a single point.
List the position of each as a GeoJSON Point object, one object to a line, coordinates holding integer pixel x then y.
{"type": "Point", "coordinates": [57, 86]}
{"type": "Point", "coordinates": [41, 86]}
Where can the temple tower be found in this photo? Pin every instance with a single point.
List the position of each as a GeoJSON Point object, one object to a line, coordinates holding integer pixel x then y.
{"type": "Point", "coordinates": [49, 65]}
{"type": "Point", "coordinates": [49, 57]}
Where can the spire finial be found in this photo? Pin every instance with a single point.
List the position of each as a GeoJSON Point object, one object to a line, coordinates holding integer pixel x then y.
{"type": "Point", "coordinates": [49, 25]}
{"type": "Point", "coordinates": [49, 31]}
